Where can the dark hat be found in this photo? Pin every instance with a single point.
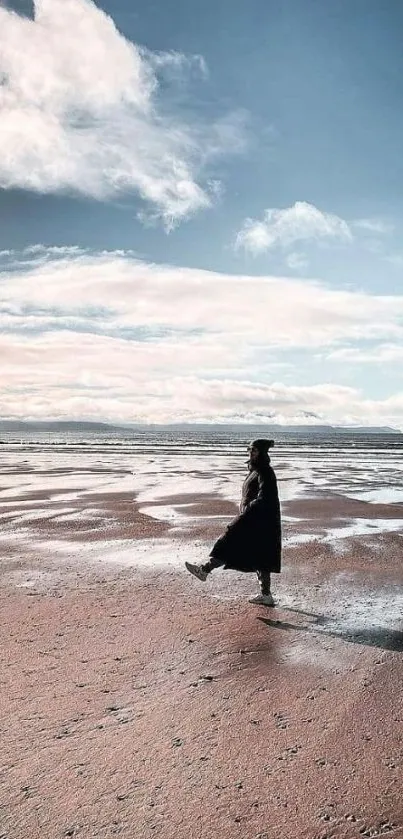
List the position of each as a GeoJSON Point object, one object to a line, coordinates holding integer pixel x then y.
{"type": "Point", "coordinates": [262, 445]}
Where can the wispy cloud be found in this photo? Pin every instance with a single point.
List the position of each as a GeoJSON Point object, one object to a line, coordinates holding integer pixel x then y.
{"type": "Point", "coordinates": [374, 225]}
{"type": "Point", "coordinates": [297, 261]}
{"type": "Point", "coordinates": [284, 227]}
{"type": "Point", "coordinates": [175, 63]}
{"type": "Point", "coordinates": [379, 354]}
{"type": "Point", "coordinates": [80, 110]}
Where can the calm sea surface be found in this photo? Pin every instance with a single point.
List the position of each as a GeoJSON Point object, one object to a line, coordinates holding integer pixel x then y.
{"type": "Point", "coordinates": [368, 466]}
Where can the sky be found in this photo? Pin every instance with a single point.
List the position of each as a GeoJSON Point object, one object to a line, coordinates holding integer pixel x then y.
{"type": "Point", "coordinates": [201, 211]}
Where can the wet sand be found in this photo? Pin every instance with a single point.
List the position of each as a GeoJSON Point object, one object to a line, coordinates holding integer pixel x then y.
{"type": "Point", "coordinates": [138, 702]}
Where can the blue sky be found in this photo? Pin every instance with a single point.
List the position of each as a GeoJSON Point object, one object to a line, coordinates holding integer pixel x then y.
{"type": "Point", "coordinates": [257, 142]}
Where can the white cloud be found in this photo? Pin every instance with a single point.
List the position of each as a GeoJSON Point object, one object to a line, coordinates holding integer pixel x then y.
{"type": "Point", "coordinates": [108, 336]}
{"type": "Point", "coordinates": [175, 62]}
{"type": "Point", "coordinates": [80, 111]}
{"type": "Point", "coordinates": [297, 261]}
{"type": "Point", "coordinates": [374, 225]}
{"type": "Point", "coordinates": [282, 228]}
{"type": "Point", "coordinates": [380, 354]}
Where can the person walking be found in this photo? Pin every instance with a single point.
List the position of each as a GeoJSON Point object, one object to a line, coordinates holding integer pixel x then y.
{"type": "Point", "coordinates": [252, 541]}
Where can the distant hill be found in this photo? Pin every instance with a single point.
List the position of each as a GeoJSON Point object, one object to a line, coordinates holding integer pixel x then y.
{"type": "Point", "coordinates": [256, 430]}
{"type": "Point", "coordinates": [19, 425]}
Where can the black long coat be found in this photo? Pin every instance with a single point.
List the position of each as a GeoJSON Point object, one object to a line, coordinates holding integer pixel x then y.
{"type": "Point", "coordinates": [252, 542]}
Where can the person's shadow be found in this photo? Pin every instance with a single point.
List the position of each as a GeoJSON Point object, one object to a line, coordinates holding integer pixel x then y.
{"type": "Point", "coordinates": [374, 636]}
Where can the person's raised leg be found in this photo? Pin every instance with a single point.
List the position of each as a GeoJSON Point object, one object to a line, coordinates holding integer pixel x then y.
{"type": "Point", "coordinates": [203, 570]}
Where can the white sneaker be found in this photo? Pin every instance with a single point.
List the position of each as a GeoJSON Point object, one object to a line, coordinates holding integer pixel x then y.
{"type": "Point", "coordinates": [262, 600]}
{"type": "Point", "coordinates": [197, 571]}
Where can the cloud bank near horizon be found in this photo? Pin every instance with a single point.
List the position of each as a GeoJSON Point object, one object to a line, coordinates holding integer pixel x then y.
{"type": "Point", "coordinates": [108, 336]}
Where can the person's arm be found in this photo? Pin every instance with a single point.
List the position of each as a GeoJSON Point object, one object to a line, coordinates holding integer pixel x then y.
{"type": "Point", "coordinates": [267, 488]}
{"type": "Point", "coordinates": [250, 490]}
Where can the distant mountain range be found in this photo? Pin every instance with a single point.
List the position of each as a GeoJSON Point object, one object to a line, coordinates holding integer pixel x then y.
{"type": "Point", "coordinates": [257, 430]}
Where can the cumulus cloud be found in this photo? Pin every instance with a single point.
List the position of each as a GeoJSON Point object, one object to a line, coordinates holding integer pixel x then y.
{"type": "Point", "coordinates": [109, 336]}
{"type": "Point", "coordinates": [283, 228]}
{"type": "Point", "coordinates": [80, 111]}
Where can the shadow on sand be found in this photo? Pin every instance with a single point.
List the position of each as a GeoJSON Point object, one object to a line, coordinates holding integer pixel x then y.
{"type": "Point", "coordinates": [373, 636]}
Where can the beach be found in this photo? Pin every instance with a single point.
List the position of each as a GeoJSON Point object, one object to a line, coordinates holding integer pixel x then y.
{"type": "Point", "coordinates": [139, 702]}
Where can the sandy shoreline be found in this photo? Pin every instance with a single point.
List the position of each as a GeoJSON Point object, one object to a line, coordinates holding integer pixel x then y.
{"type": "Point", "coordinates": [109, 724]}
{"type": "Point", "coordinates": [110, 728]}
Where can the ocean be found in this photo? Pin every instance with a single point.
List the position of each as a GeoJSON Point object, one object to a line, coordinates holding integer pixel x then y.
{"type": "Point", "coordinates": [168, 460]}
